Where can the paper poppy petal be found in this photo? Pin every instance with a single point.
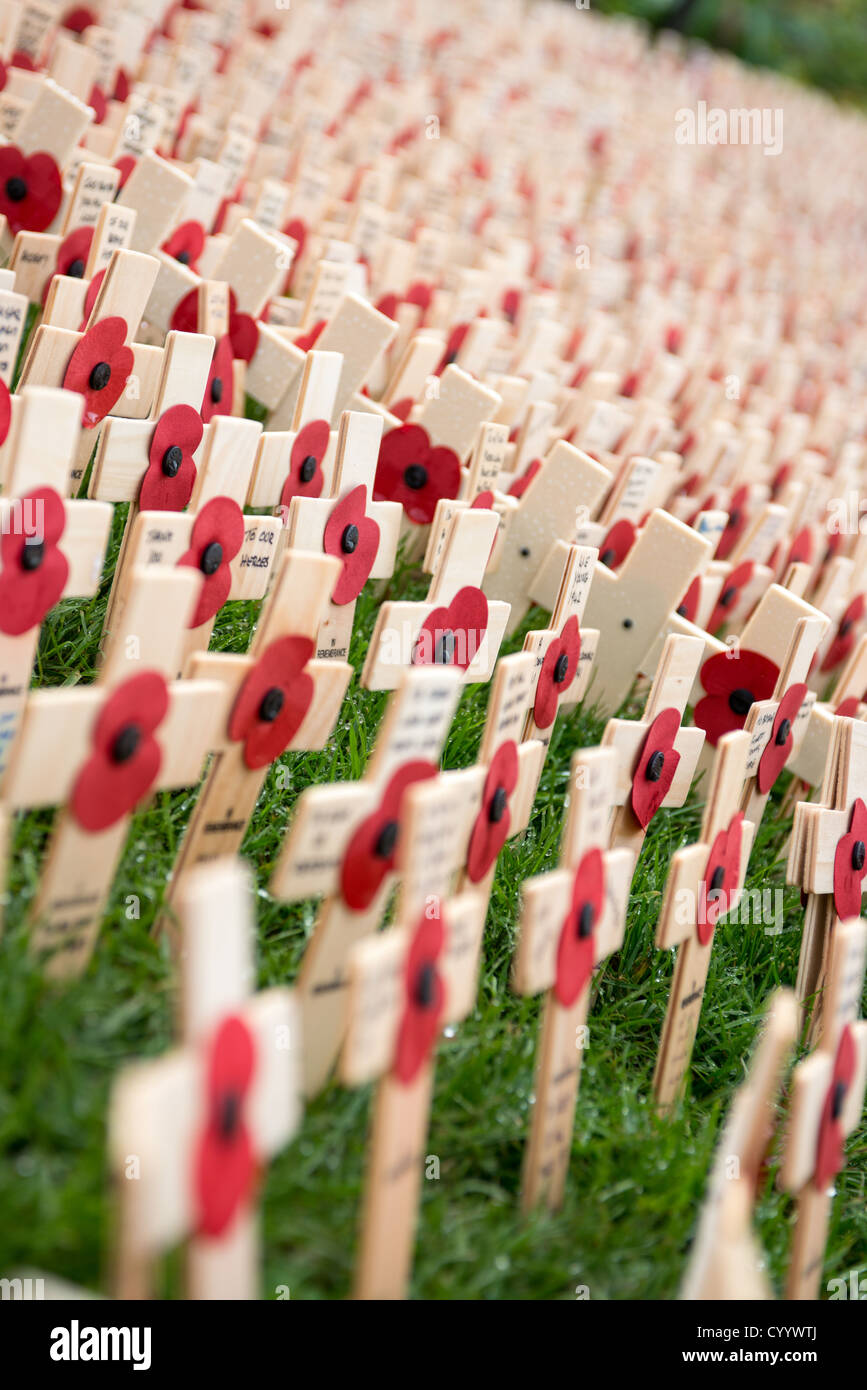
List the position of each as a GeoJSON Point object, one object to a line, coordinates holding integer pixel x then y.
{"type": "Point", "coordinates": [721, 878]}
{"type": "Point", "coordinates": [848, 877]}
{"type": "Point", "coordinates": [657, 765]}
{"type": "Point", "coordinates": [560, 660]}
{"type": "Point", "coordinates": [348, 525]}
{"type": "Point", "coordinates": [688, 606]}
{"type": "Point", "coordinates": [576, 946]}
{"type": "Point", "coordinates": [305, 478]}
{"type": "Point", "coordinates": [366, 863]}
{"type": "Point", "coordinates": [221, 523]}
{"type": "Point", "coordinates": [491, 826]}
{"type": "Point", "coordinates": [520, 485]}
{"type": "Point", "coordinates": [777, 752]}
{"type": "Point", "coordinates": [424, 1000]}
{"type": "Point", "coordinates": [829, 1148]}
{"type": "Point", "coordinates": [5, 411]}
{"type": "Point", "coordinates": [614, 549]}
{"type": "Point", "coordinates": [39, 177]}
{"type": "Point", "coordinates": [101, 346]}
{"type": "Point", "coordinates": [844, 637]}
{"type": "Point", "coordinates": [452, 635]}
{"type": "Point", "coordinates": [27, 594]}
{"type": "Point", "coordinates": [281, 669]}
{"type": "Point", "coordinates": [106, 789]}
{"type": "Point", "coordinates": [179, 427]}
{"type": "Point", "coordinates": [220, 390]}
{"type": "Point", "coordinates": [224, 1165]}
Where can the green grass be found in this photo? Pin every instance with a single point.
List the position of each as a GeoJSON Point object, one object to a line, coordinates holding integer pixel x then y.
{"type": "Point", "coordinates": [636, 1181]}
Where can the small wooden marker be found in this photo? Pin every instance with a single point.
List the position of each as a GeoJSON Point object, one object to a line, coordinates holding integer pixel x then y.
{"type": "Point", "coordinates": [827, 1099]}
{"type": "Point", "coordinates": [725, 1262]}
{"type": "Point", "coordinates": [564, 652]}
{"type": "Point", "coordinates": [572, 920]}
{"type": "Point", "coordinates": [705, 881]}
{"type": "Point", "coordinates": [342, 845]}
{"type": "Point", "coordinates": [190, 1131]}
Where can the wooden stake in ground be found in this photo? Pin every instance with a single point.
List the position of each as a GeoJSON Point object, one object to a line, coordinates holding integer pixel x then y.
{"type": "Point", "coordinates": [827, 1100]}
{"type": "Point", "coordinates": [572, 920]}
{"type": "Point", "coordinates": [726, 1262]}
{"type": "Point", "coordinates": [190, 1132]}
{"type": "Point", "coordinates": [99, 751]}
{"type": "Point", "coordinates": [280, 698]}
{"type": "Point", "coordinates": [407, 984]}
{"type": "Point", "coordinates": [704, 883]}
{"type": "Point", "coordinates": [342, 845]}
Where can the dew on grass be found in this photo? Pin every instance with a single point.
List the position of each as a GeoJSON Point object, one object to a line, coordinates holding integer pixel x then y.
{"type": "Point", "coordinates": [450, 1032]}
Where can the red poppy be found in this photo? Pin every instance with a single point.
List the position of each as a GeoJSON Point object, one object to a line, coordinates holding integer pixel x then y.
{"type": "Point", "coordinates": [121, 93]}
{"type": "Point", "coordinates": [511, 304]}
{"type": "Point", "coordinates": [731, 591]}
{"type": "Point", "coordinates": [778, 750]}
{"type": "Point", "coordinates": [829, 1149]}
{"type": "Point", "coordinates": [243, 331]}
{"type": "Point", "coordinates": [126, 757]}
{"type": "Point", "coordinates": [93, 287]}
{"type": "Point", "coordinates": [72, 256]}
{"type": "Point", "coordinates": [452, 636]}
{"type": "Point", "coordinates": [5, 411]}
{"type": "Point", "coordinates": [576, 947]}
{"type": "Point", "coordinates": [415, 473]}
{"type": "Point", "coordinates": [688, 606]}
{"type": "Point", "coordinates": [421, 295]}
{"type": "Point", "coordinates": [424, 998]}
{"type": "Point", "coordinates": [305, 462]}
{"type": "Point", "coordinates": [657, 765]}
{"type": "Point", "coordinates": [218, 534]}
{"type": "Point", "coordinates": [721, 878]}
{"type": "Point", "coordinates": [30, 189]}
{"type": "Point", "coordinates": [520, 485]}
{"type": "Point", "coordinates": [779, 480]}
{"type": "Point", "coordinates": [848, 708]}
{"type": "Point", "coordinates": [186, 244]}
{"type": "Point", "coordinates": [4, 74]}
{"type": "Point", "coordinates": [220, 390]}
{"type": "Point", "coordinates": [844, 637]}
{"type": "Point", "coordinates": [850, 864]}
{"type": "Point", "coordinates": [483, 501]}
{"type": "Point", "coordinates": [98, 103]}
{"type": "Point", "coordinates": [733, 684]}
{"type": "Point", "coordinates": [22, 60]}
{"type": "Point", "coordinates": [273, 701]}
{"type": "Point", "coordinates": [559, 667]}
{"type": "Point", "coordinates": [34, 570]}
{"type": "Point", "coordinates": [78, 19]}
{"type": "Point", "coordinates": [372, 849]}
{"type": "Point", "coordinates": [99, 368]}
{"type": "Point", "coordinates": [125, 164]}
{"type": "Point", "coordinates": [308, 340]}
{"type": "Point", "coordinates": [401, 409]}
{"type": "Point", "coordinates": [614, 549]}
{"type": "Point", "coordinates": [297, 230]}
{"type": "Point", "coordinates": [801, 549]}
{"type": "Point", "coordinates": [491, 827]}
{"type": "Point", "coordinates": [352, 537]}
{"type": "Point", "coordinates": [735, 525]}
{"type": "Point", "coordinates": [168, 483]}
{"type": "Point", "coordinates": [388, 305]}
{"type": "Point", "coordinates": [225, 1168]}
{"type": "Point", "coordinates": [454, 343]}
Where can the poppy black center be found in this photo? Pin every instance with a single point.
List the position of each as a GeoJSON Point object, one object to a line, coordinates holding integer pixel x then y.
{"type": "Point", "coordinates": [783, 732]}
{"type": "Point", "coordinates": [718, 878]}
{"type": "Point", "coordinates": [126, 743]}
{"type": "Point", "coordinates": [99, 377]}
{"type": "Point", "coordinates": [608, 556]}
{"type": "Point", "coordinates": [308, 468]}
{"type": "Point", "coordinates": [385, 844]}
{"type": "Point", "coordinates": [76, 269]}
{"type": "Point", "coordinates": [16, 190]}
{"type": "Point", "coordinates": [183, 257]}
{"type": "Point", "coordinates": [838, 1100]}
{"type": "Point", "coordinates": [425, 986]}
{"type": "Point", "coordinates": [585, 920]}
{"type": "Point", "coordinates": [212, 558]}
{"type": "Point", "coordinates": [681, 609]}
{"type": "Point", "coordinates": [272, 703]}
{"type": "Point", "coordinates": [415, 476]}
{"type": "Point", "coordinates": [444, 653]}
{"type": "Point", "coordinates": [845, 626]}
{"type": "Point", "coordinates": [228, 1114]}
{"type": "Point", "coordinates": [32, 555]}
{"type": "Point", "coordinates": [740, 700]}
{"type": "Point", "coordinates": [734, 519]}
{"type": "Point", "coordinates": [728, 596]}
{"type": "Point", "coordinates": [451, 358]}
{"type": "Point", "coordinates": [561, 668]}
{"type": "Point", "coordinates": [656, 763]}
{"type": "Point", "coordinates": [217, 390]}
{"type": "Point", "coordinates": [859, 852]}
{"type": "Point", "coordinates": [349, 540]}
{"type": "Point", "coordinates": [172, 460]}
{"type": "Point", "coordinates": [497, 808]}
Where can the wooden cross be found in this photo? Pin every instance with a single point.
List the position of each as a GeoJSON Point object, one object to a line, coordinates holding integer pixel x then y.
{"type": "Point", "coordinates": [725, 1262]}
{"type": "Point", "coordinates": [657, 755]}
{"type": "Point", "coordinates": [189, 1132]}
{"type": "Point", "coordinates": [51, 548]}
{"type": "Point", "coordinates": [342, 846]}
{"type": "Point", "coordinates": [98, 752]}
{"type": "Point", "coordinates": [809, 760]}
{"type": "Point", "coordinates": [280, 699]}
{"type": "Point", "coordinates": [299, 461]}
{"type": "Point", "coordinates": [631, 607]}
{"type": "Point", "coordinates": [565, 493]}
{"type": "Point", "coordinates": [454, 625]}
{"type": "Point", "coordinates": [705, 882]}
{"type": "Point", "coordinates": [407, 984]}
{"type": "Point", "coordinates": [826, 856]}
{"type": "Point", "coordinates": [349, 525]}
{"type": "Point", "coordinates": [827, 1099]}
{"type": "Point", "coordinates": [564, 651]}
{"type": "Point", "coordinates": [572, 919]}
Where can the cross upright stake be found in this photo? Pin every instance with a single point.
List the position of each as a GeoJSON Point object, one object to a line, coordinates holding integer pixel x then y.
{"type": "Point", "coordinates": [564, 652]}
{"type": "Point", "coordinates": [190, 1131]}
{"type": "Point", "coordinates": [99, 751]}
{"type": "Point", "coordinates": [705, 882]}
{"type": "Point", "coordinates": [572, 920]}
{"type": "Point", "coordinates": [725, 1262]}
{"type": "Point", "coordinates": [827, 1100]}
{"type": "Point", "coordinates": [342, 846]}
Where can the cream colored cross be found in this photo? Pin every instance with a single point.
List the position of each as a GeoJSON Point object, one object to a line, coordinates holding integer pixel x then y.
{"type": "Point", "coordinates": [827, 1092]}
{"type": "Point", "coordinates": [364, 817]}
{"type": "Point", "coordinates": [315, 402]}
{"type": "Point", "coordinates": [66, 297]}
{"type": "Point", "coordinates": [705, 882]}
{"type": "Point", "coordinates": [179, 1124]}
{"type": "Point", "coordinates": [63, 751]}
{"type": "Point", "coordinates": [568, 608]}
{"type": "Point", "coordinates": [572, 919]}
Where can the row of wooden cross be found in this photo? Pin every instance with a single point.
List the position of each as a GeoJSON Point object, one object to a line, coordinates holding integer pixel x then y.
{"type": "Point", "coordinates": [520, 462]}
